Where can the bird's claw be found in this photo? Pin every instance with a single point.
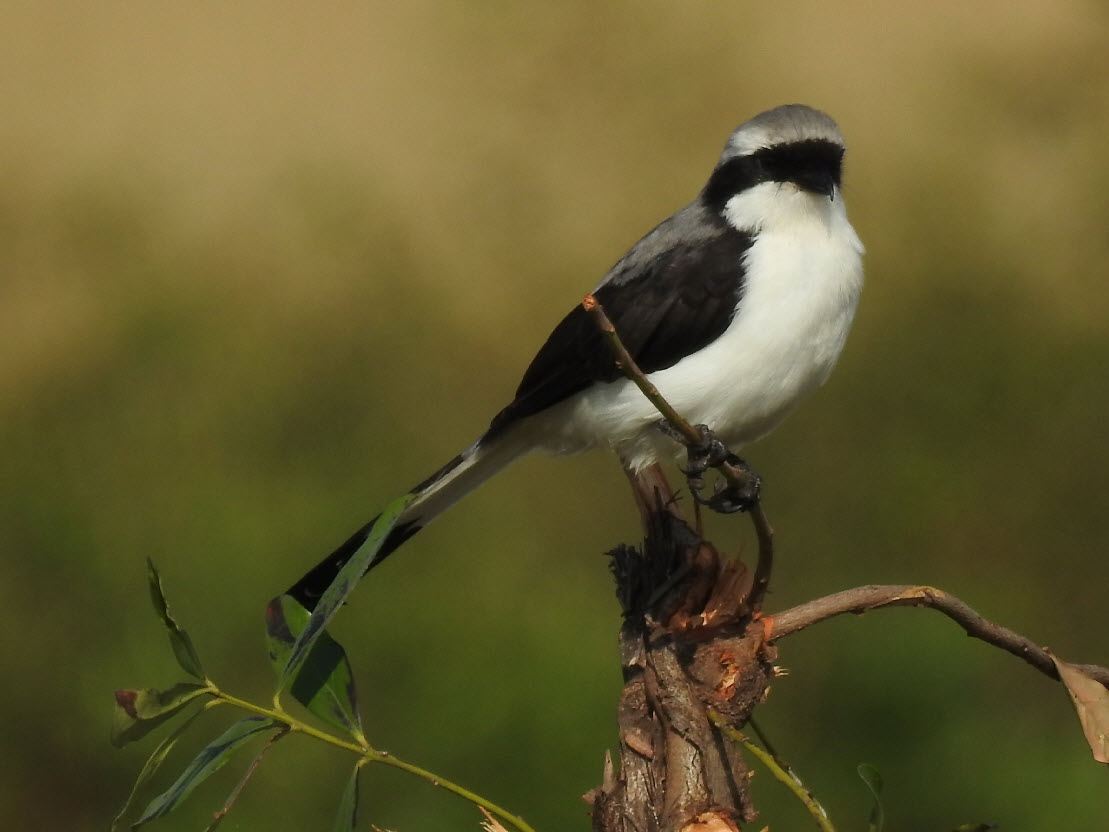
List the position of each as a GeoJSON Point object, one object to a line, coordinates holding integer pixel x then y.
{"type": "Point", "coordinates": [728, 499]}
{"type": "Point", "coordinates": [708, 453]}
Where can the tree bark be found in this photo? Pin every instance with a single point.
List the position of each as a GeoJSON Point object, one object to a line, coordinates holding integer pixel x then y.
{"type": "Point", "coordinates": [686, 652]}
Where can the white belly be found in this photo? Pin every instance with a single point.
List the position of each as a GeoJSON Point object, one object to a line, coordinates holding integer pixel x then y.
{"type": "Point", "coordinates": [803, 284]}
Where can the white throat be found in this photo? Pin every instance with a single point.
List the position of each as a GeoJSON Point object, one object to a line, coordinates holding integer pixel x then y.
{"type": "Point", "coordinates": [777, 207]}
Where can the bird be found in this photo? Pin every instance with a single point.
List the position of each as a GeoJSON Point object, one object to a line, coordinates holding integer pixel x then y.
{"type": "Point", "coordinates": [735, 307]}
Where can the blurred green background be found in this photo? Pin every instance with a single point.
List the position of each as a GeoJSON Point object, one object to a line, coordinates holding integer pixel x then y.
{"type": "Point", "coordinates": [265, 265]}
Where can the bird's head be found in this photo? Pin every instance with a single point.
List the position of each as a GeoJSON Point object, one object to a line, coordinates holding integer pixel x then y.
{"type": "Point", "coordinates": [791, 145]}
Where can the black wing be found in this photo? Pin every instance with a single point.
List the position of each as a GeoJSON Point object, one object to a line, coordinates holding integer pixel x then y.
{"type": "Point", "coordinates": [664, 308]}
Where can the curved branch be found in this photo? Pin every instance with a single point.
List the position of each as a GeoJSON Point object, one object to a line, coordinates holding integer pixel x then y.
{"type": "Point", "coordinates": [735, 477]}
{"type": "Point", "coordinates": [865, 598]}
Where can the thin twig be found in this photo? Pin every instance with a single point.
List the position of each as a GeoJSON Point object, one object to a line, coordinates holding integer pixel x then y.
{"type": "Point", "coordinates": [865, 598]}
{"type": "Point", "coordinates": [765, 561]}
{"type": "Point", "coordinates": [735, 477]}
{"type": "Point", "coordinates": [630, 369]}
{"type": "Point", "coordinates": [454, 788]}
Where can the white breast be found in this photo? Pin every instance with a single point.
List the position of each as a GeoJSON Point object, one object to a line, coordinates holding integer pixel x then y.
{"type": "Point", "coordinates": [803, 277]}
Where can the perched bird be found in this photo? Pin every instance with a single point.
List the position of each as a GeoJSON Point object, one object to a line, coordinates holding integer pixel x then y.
{"type": "Point", "coordinates": [736, 307]}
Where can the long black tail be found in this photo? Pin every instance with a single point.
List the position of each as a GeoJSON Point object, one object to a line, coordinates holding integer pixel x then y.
{"type": "Point", "coordinates": [434, 495]}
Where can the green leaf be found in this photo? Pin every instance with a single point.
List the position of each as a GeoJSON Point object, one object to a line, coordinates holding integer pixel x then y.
{"type": "Point", "coordinates": [347, 815]}
{"type": "Point", "coordinates": [873, 780]}
{"type": "Point", "coordinates": [182, 645]}
{"type": "Point", "coordinates": [341, 587]}
{"type": "Point", "coordinates": [138, 712]}
{"type": "Point", "coordinates": [210, 760]}
{"type": "Point", "coordinates": [153, 763]}
{"type": "Point", "coordinates": [325, 683]}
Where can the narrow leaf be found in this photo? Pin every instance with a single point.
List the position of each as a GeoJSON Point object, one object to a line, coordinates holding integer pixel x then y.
{"type": "Point", "coordinates": [341, 587]}
{"type": "Point", "coordinates": [153, 763]}
{"type": "Point", "coordinates": [210, 760]}
{"type": "Point", "coordinates": [182, 645]}
{"type": "Point", "coordinates": [347, 815]}
{"type": "Point", "coordinates": [138, 712]}
{"type": "Point", "coordinates": [325, 682]}
{"type": "Point", "coordinates": [873, 780]}
{"type": "Point", "coordinates": [1091, 700]}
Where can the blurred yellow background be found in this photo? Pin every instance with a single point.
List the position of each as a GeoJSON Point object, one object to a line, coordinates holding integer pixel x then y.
{"type": "Point", "coordinates": [265, 265]}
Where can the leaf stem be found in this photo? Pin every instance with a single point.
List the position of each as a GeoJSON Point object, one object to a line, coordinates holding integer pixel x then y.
{"type": "Point", "coordinates": [367, 754]}
{"type": "Point", "coordinates": [781, 771]}
{"type": "Point", "coordinates": [294, 725]}
{"type": "Point", "coordinates": [466, 794]}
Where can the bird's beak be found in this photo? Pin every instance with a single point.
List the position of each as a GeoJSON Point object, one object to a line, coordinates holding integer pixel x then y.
{"type": "Point", "coordinates": [818, 182]}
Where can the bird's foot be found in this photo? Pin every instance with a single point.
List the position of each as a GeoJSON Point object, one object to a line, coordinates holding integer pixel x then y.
{"type": "Point", "coordinates": [708, 453]}
{"type": "Point", "coordinates": [725, 498]}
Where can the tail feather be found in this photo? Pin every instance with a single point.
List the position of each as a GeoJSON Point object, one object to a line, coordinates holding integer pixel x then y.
{"type": "Point", "coordinates": [434, 495]}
